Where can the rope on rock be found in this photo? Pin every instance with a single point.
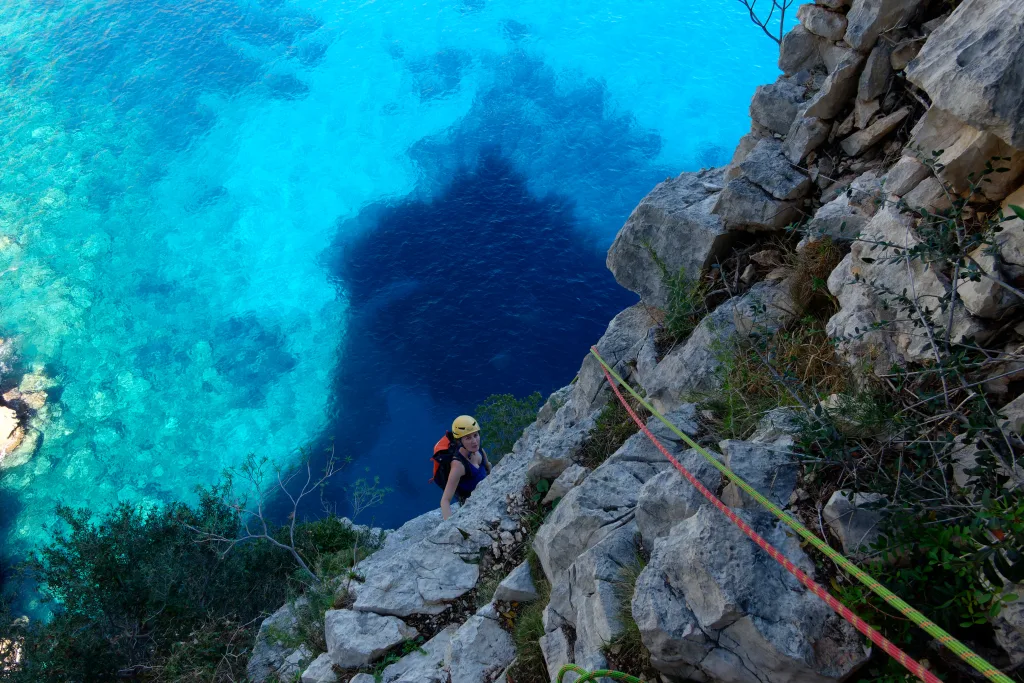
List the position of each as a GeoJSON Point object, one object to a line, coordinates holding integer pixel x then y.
{"type": "Point", "coordinates": [588, 676]}
{"type": "Point", "coordinates": [933, 629]}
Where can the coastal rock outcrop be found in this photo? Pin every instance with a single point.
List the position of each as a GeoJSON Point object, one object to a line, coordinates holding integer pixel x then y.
{"type": "Point", "coordinates": [842, 148]}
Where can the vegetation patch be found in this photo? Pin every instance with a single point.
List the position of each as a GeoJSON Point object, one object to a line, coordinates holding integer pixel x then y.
{"type": "Point", "coordinates": [627, 651]}
{"type": "Point", "coordinates": [502, 418]}
{"type": "Point", "coordinates": [924, 436]}
{"type": "Point", "coordinates": [614, 426]}
{"type": "Point", "coordinates": [524, 621]}
{"type": "Point", "coordinates": [797, 366]}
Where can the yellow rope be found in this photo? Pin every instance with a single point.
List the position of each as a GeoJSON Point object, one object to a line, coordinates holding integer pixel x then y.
{"type": "Point", "coordinates": [933, 629]}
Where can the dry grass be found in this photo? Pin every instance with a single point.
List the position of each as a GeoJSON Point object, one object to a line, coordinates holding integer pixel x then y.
{"type": "Point", "coordinates": [812, 266]}
{"type": "Point", "coordinates": [614, 426]}
{"type": "Point", "coordinates": [793, 366]}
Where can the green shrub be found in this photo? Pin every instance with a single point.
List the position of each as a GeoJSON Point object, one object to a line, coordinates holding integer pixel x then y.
{"type": "Point", "coordinates": [791, 367]}
{"type": "Point", "coordinates": [687, 306]}
{"type": "Point", "coordinates": [134, 592]}
{"type": "Point", "coordinates": [627, 651]}
{"type": "Point", "coordinates": [951, 548]}
{"type": "Point", "coordinates": [503, 417]}
{"type": "Point", "coordinates": [614, 426]}
{"type": "Point", "coordinates": [526, 634]}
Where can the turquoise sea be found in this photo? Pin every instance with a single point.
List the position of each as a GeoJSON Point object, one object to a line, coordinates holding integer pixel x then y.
{"type": "Point", "coordinates": [232, 227]}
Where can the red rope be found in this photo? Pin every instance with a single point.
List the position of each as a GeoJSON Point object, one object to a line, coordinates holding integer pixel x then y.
{"type": "Point", "coordinates": [842, 610]}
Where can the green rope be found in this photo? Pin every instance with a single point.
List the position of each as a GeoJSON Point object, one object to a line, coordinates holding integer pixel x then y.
{"type": "Point", "coordinates": [933, 629]}
{"type": "Point", "coordinates": [586, 676]}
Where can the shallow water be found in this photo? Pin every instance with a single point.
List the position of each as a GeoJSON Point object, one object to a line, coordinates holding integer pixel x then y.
{"type": "Point", "coordinates": [233, 228]}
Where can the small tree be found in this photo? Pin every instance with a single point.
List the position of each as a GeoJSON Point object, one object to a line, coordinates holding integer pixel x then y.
{"type": "Point", "coordinates": [503, 417]}
{"type": "Point", "coordinates": [251, 505]}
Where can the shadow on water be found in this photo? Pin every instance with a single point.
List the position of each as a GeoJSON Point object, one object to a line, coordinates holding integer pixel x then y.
{"type": "Point", "coordinates": [483, 289]}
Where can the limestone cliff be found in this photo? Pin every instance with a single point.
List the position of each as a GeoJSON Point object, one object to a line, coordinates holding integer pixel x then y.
{"type": "Point", "coordinates": [884, 111]}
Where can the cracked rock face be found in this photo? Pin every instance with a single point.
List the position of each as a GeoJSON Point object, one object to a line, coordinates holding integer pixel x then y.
{"type": "Point", "coordinates": [972, 65]}
{"type": "Point", "coordinates": [480, 650]}
{"type": "Point", "coordinates": [673, 224]}
{"type": "Point", "coordinates": [357, 638]}
{"type": "Point", "coordinates": [711, 600]}
{"type": "Point", "coordinates": [606, 500]}
{"type": "Point", "coordinates": [269, 656]}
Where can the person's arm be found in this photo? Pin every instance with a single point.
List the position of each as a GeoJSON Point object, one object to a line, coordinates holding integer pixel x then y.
{"type": "Point", "coordinates": [487, 463]}
{"type": "Point", "coordinates": [449, 490]}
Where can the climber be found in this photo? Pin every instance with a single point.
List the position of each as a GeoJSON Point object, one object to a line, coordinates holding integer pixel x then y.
{"type": "Point", "coordinates": [459, 453]}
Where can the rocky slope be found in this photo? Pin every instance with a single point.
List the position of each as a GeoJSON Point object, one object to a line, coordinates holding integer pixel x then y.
{"type": "Point", "coordinates": [885, 108]}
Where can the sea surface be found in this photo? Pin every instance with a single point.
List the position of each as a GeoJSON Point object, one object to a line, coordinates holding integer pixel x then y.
{"type": "Point", "coordinates": [233, 227]}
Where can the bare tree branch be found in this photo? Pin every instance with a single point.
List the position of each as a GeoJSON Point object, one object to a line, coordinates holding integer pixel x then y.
{"type": "Point", "coordinates": [780, 5]}
{"type": "Point", "coordinates": [254, 471]}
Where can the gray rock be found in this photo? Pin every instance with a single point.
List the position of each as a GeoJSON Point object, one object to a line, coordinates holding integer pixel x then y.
{"type": "Point", "coordinates": [668, 628]}
{"type": "Point", "coordinates": [426, 665]}
{"type": "Point", "coordinates": [479, 651]}
{"type": "Point", "coordinates": [837, 219]}
{"type": "Point", "coordinates": [544, 466]}
{"type": "Point", "coordinates": [569, 479]}
{"type": "Point", "coordinates": [1009, 626]}
{"type": "Point", "coordinates": [743, 148]}
{"type": "Point", "coordinates": [673, 222]}
{"type": "Point", "coordinates": [557, 653]}
{"type": "Point", "coordinates": [856, 522]}
{"type": "Point", "coordinates": [355, 639]}
{"type": "Point", "coordinates": [778, 424]}
{"type": "Point", "coordinates": [904, 52]}
{"type": "Point", "coordinates": [1013, 423]}
{"type": "Point", "coordinates": [268, 653]}
{"type": "Point", "coordinates": [618, 346]}
{"type": "Point", "coordinates": [595, 580]}
{"type": "Point", "coordinates": [606, 500]}
{"type": "Point", "coordinates": [856, 325]}
{"type": "Point", "coordinates": [835, 54]}
{"type": "Point", "coordinates": [770, 469]}
{"type": "Point", "coordinates": [805, 136]}
{"type": "Point", "coordinates": [822, 22]}
{"type": "Point", "coordinates": [848, 207]}
{"type": "Point", "coordinates": [928, 195]}
{"type": "Point", "coordinates": [517, 586]}
{"type": "Point", "coordinates": [839, 87]}
{"type": "Point", "coordinates": [320, 671]}
{"type": "Point", "coordinates": [1011, 239]}
{"type": "Point", "coordinates": [759, 624]}
{"type": "Point", "coordinates": [555, 401]}
{"type": "Point", "coordinates": [860, 141]}
{"type": "Point", "coordinates": [363, 678]}
{"type": "Point", "coordinates": [874, 80]}
{"type": "Point", "coordinates": [768, 167]}
{"type": "Point", "coordinates": [744, 205]}
{"type": "Point", "coordinates": [885, 274]}
{"type": "Point", "coordinates": [295, 663]}
{"type": "Point", "coordinates": [775, 106]}
{"type": "Point", "coordinates": [833, 4]}
{"type": "Point", "coordinates": [668, 498]}
{"type": "Point", "coordinates": [419, 580]}
{"type": "Point", "coordinates": [799, 51]}
{"type": "Point", "coordinates": [971, 67]}
{"type": "Point", "coordinates": [905, 175]}
{"type": "Point", "coordinates": [964, 151]}
{"type": "Point", "coordinates": [868, 19]}
{"type": "Point", "coordinates": [864, 111]}
{"type": "Point", "coordinates": [693, 367]}
{"type": "Point", "coordinates": [985, 298]}
{"type": "Point", "coordinates": [558, 611]}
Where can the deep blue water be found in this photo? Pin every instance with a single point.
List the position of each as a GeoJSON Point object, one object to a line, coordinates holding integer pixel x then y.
{"type": "Point", "coordinates": [236, 227]}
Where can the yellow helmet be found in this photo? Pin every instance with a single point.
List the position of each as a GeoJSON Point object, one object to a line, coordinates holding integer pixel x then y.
{"type": "Point", "coordinates": [464, 425]}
